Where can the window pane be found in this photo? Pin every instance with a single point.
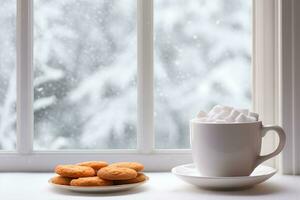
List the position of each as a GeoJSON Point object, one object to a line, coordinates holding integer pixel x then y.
{"type": "Point", "coordinates": [202, 58]}
{"type": "Point", "coordinates": [85, 74]}
{"type": "Point", "coordinates": [7, 74]}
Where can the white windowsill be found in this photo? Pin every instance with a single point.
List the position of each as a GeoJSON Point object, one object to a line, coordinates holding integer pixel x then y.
{"type": "Point", "coordinates": [161, 186]}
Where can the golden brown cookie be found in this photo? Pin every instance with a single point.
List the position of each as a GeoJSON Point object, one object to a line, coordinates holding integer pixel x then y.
{"type": "Point", "coordinates": [61, 180]}
{"type": "Point", "coordinates": [96, 165]}
{"type": "Point", "coordinates": [140, 177]}
{"type": "Point", "coordinates": [90, 181]}
{"type": "Point", "coordinates": [116, 173]}
{"type": "Point", "coordinates": [132, 165]}
{"type": "Point", "coordinates": [74, 171]}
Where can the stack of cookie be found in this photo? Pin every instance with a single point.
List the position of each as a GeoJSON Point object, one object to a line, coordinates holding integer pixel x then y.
{"type": "Point", "coordinates": [99, 173]}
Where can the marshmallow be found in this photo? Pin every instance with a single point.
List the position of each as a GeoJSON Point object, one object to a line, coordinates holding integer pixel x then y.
{"type": "Point", "coordinates": [210, 120]}
{"type": "Point", "coordinates": [241, 118]}
{"type": "Point", "coordinates": [251, 119]}
{"type": "Point", "coordinates": [216, 109]}
{"type": "Point", "coordinates": [244, 111]}
{"type": "Point", "coordinates": [202, 119]}
{"type": "Point", "coordinates": [215, 117]}
{"type": "Point", "coordinates": [229, 119]}
{"type": "Point", "coordinates": [223, 114]}
{"type": "Point", "coordinates": [255, 115]}
{"type": "Point", "coordinates": [227, 109]}
{"type": "Point", "coordinates": [226, 114]}
{"type": "Point", "coordinates": [201, 114]}
{"type": "Point", "coordinates": [234, 113]}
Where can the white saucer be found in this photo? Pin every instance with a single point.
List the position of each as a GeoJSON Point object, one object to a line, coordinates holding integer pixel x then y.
{"type": "Point", "coordinates": [98, 189]}
{"type": "Point", "coordinates": [189, 174]}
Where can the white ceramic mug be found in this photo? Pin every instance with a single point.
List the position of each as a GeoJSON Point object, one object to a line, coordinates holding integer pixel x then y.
{"type": "Point", "coordinates": [230, 149]}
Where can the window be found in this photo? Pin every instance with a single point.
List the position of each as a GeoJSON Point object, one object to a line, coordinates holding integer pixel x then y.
{"type": "Point", "coordinates": [81, 47]}
{"type": "Point", "coordinates": [111, 77]}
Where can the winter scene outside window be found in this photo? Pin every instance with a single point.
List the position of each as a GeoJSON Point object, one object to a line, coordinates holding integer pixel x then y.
{"type": "Point", "coordinates": [85, 69]}
{"type": "Point", "coordinates": [202, 58]}
{"type": "Point", "coordinates": [8, 74]}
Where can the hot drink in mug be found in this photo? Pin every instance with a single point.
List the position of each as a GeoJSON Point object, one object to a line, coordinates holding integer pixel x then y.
{"type": "Point", "coordinates": [230, 148]}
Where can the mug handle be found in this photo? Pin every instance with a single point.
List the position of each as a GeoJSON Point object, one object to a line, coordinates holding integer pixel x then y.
{"type": "Point", "coordinates": [282, 140]}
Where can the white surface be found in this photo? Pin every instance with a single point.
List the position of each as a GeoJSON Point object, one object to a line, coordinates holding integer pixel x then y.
{"type": "Point", "coordinates": [97, 189]}
{"type": "Point", "coordinates": [32, 186]}
{"type": "Point", "coordinates": [190, 174]}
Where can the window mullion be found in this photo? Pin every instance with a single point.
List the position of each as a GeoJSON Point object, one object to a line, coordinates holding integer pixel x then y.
{"type": "Point", "coordinates": [145, 75]}
{"type": "Point", "coordinates": [24, 77]}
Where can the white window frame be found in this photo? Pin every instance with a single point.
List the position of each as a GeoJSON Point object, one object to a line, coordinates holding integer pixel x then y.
{"type": "Point", "coordinates": [25, 159]}
{"type": "Point", "coordinates": [266, 67]}
{"type": "Point", "coordinates": [290, 87]}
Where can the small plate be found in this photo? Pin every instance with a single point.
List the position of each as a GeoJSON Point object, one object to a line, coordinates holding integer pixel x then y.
{"type": "Point", "coordinates": [189, 174]}
{"type": "Point", "coordinates": [98, 189]}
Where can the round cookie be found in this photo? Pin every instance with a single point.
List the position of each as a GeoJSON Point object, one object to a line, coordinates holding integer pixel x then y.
{"type": "Point", "coordinates": [61, 180]}
{"type": "Point", "coordinates": [116, 173]}
{"type": "Point", "coordinates": [90, 181]}
{"type": "Point", "coordinates": [140, 177]}
{"type": "Point", "coordinates": [96, 165]}
{"type": "Point", "coordinates": [74, 171]}
{"type": "Point", "coordinates": [132, 165]}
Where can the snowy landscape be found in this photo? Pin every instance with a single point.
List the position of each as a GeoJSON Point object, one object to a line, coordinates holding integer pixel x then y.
{"type": "Point", "coordinates": [8, 74]}
{"type": "Point", "coordinates": [85, 69]}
